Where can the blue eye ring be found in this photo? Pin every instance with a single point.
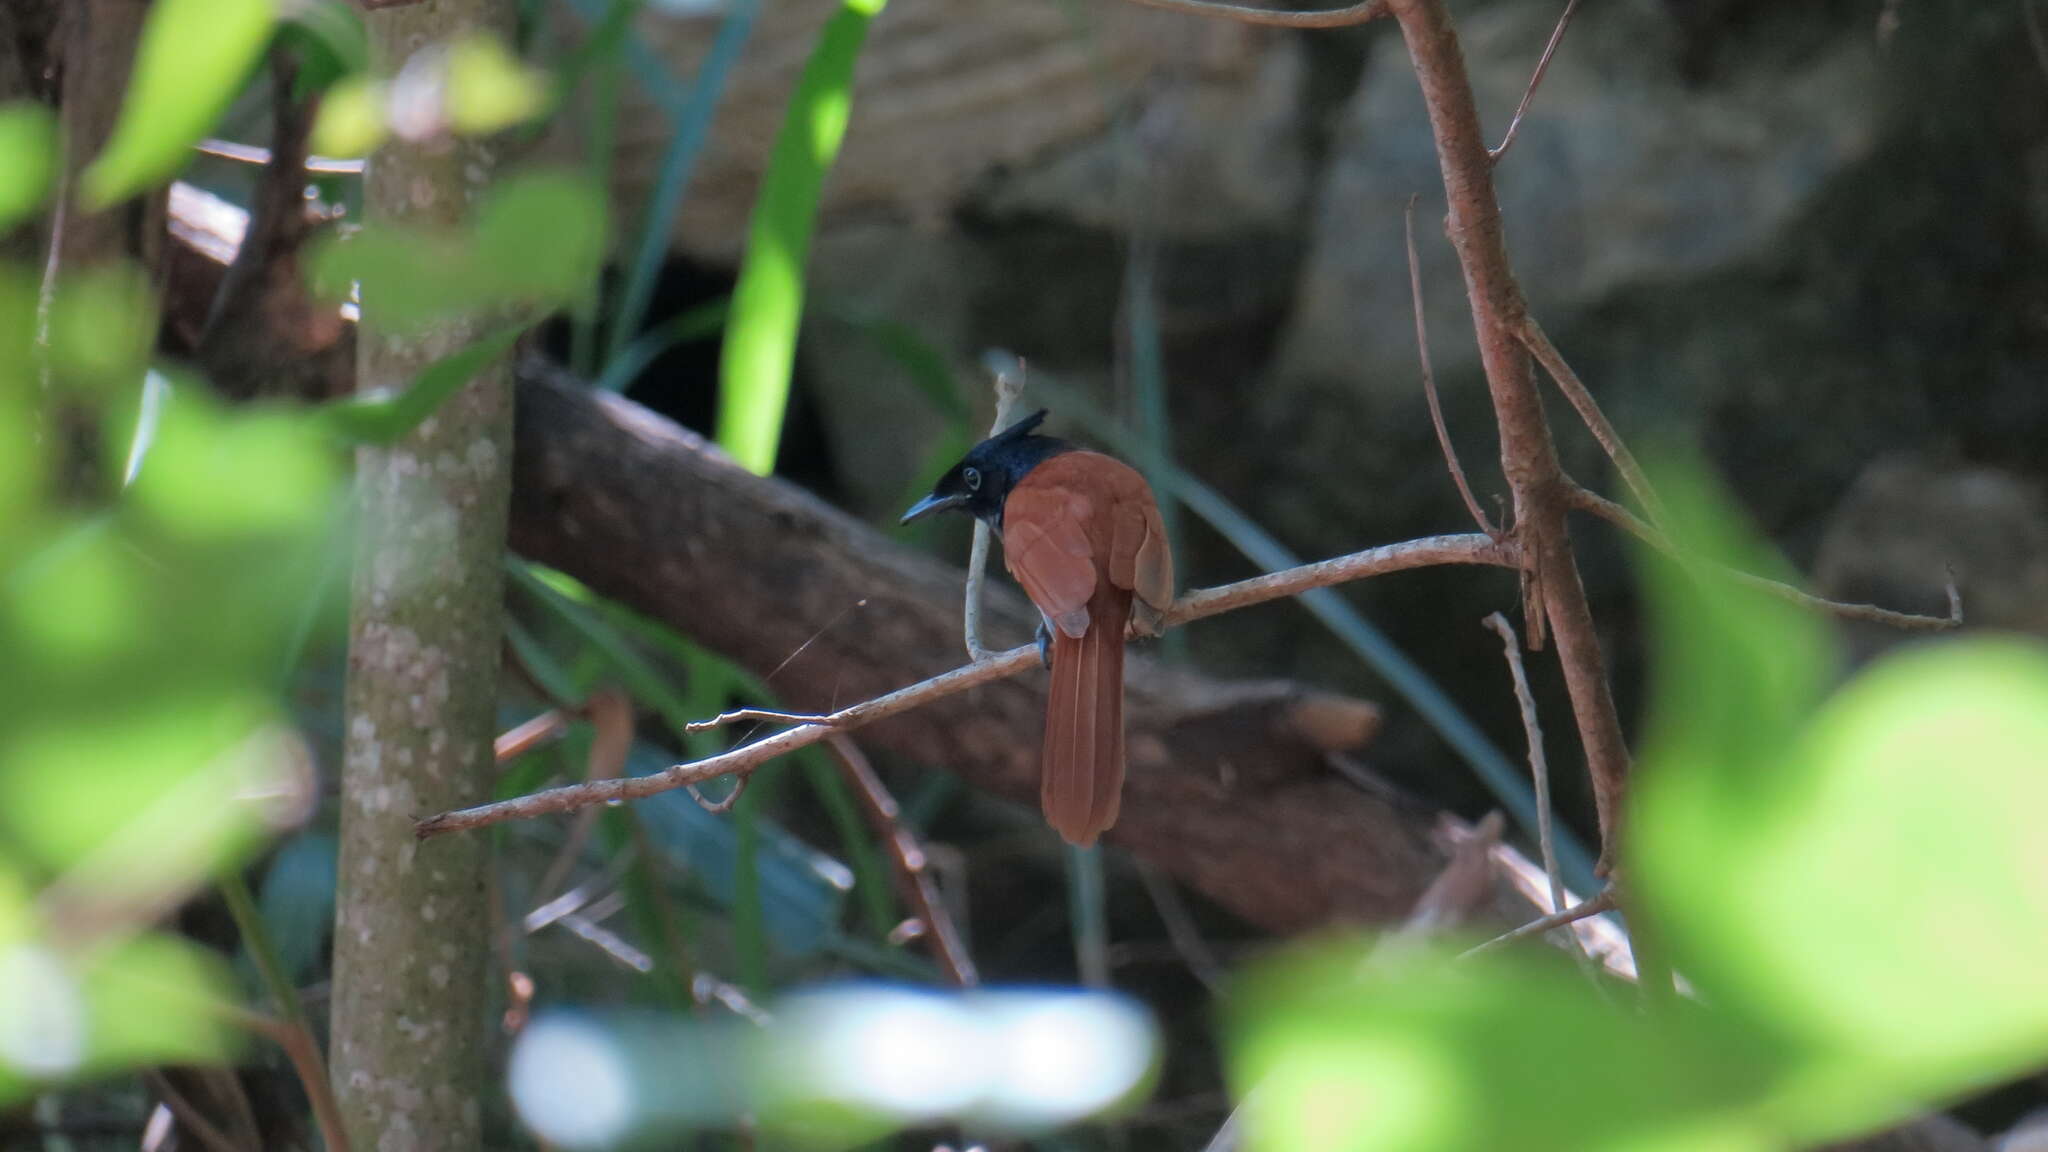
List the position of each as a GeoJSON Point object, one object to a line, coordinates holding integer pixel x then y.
{"type": "Point", "coordinates": [971, 476]}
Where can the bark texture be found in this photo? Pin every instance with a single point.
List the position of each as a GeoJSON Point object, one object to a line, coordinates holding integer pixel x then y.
{"type": "Point", "coordinates": [411, 943]}
{"type": "Point", "coordinates": [1228, 785]}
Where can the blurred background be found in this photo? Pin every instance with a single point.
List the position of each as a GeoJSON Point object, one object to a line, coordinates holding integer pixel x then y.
{"type": "Point", "coordinates": [1805, 237]}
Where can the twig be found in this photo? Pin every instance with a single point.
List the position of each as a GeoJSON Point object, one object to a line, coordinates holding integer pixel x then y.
{"type": "Point", "coordinates": [1604, 902]}
{"type": "Point", "coordinates": [1194, 951]}
{"type": "Point", "coordinates": [189, 1117]}
{"type": "Point", "coordinates": [1575, 390]}
{"type": "Point", "coordinates": [1539, 765]}
{"type": "Point", "coordinates": [1528, 94]}
{"type": "Point", "coordinates": [1554, 595]}
{"type": "Point", "coordinates": [1608, 510]}
{"type": "Point", "coordinates": [293, 1033]}
{"type": "Point", "coordinates": [1465, 883]}
{"type": "Point", "coordinates": [721, 807]}
{"type": "Point", "coordinates": [517, 742]}
{"type": "Point", "coordinates": [1436, 409]}
{"type": "Point", "coordinates": [1275, 18]}
{"type": "Point", "coordinates": [240, 153]}
{"type": "Point", "coordinates": [611, 714]}
{"type": "Point", "coordinates": [1008, 388]}
{"type": "Point", "coordinates": [767, 714]}
{"type": "Point", "coordinates": [1410, 554]}
{"type": "Point", "coordinates": [913, 867]}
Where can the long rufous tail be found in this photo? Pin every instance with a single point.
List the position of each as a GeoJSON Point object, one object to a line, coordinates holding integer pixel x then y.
{"type": "Point", "coordinates": [1082, 777]}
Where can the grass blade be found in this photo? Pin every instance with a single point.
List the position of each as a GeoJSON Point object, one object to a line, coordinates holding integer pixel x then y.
{"type": "Point", "coordinates": [760, 341]}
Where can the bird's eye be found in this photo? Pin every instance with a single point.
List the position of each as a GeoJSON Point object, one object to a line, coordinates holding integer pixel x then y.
{"type": "Point", "coordinates": [972, 476]}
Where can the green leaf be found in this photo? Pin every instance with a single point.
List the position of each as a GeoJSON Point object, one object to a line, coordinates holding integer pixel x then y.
{"type": "Point", "coordinates": [28, 160]}
{"type": "Point", "coordinates": [102, 328]}
{"type": "Point", "coordinates": [760, 341]}
{"type": "Point", "coordinates": [155, 999]}
{"type": "Point", "coordinates": [193, 58]}
{"type": "Point", "coordinates": [382, 419]}
{"type": "Point", "coordinates": [1420, 1051]}
{"type": "Point", "coordinates": [351, 118]}
{"type": "Point", "coordinates": [1880, 900]}
{"type": "Point", "coordinates": [537, 241]}
{"type": "Point", "coordinates": [489, 90]}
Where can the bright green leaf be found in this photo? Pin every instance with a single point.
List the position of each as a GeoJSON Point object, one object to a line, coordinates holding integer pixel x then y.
{"type": "Point", "coordinates": [542, 236]}
{"type": "Point", "coordinates": [193, 58]}
{"type": "Point", "coordinates": [488, 89]}
{"type": "Point", "coordinates": [351, 119]}
{"type": "Point", "coordinates": [1420, 1051]}
{"type": "Point", "coordinates": [767, 303]}
{"type": "Point", "coordinates": [28, 160]}
{"type": "Point", "coordinates": [156, 999]}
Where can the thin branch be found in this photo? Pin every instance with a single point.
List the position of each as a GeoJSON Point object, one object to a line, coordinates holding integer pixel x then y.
{"type": "Point", "coordinates": [1007, 388]}
{"type": "Point", "coordinates": [1539, 765]}
{"type": "Point", "coordinates": [1554, 595]}
{"type": "Point", "coordinates": [1436, 409]}
{"type": "Point", "coordinates": [1575, 390]}
{"type": "Point", "coordinates": [295, 1038]}
{"type": "Point", "coordinates": [768, 714]}
{"type": "Point", "coordinates": [1276, 18]}
{"type": "Point", "coordinates": [721, 807]}
{"type": "Point", "coordinates": [1608, 510]}
{"type": "Point", "coordinates": [517, 742]}
{"type": "Point", "coordinates": [189, 1117]}
{"type": "Point", "coordinates": [1528, 94]}
{"type": "Point", "coordinates": [611, 713]}
{"type": "Point", "coordinates": [1194, 951]}
{"type": "Point", "coordinates": [1457, 892]}
{"type": "Point", "coordinates": [1409, 554]}
{"type": "Point", "coordinates": [913, 867]}
{"type": "Point", "coordinates": [1604, 902]}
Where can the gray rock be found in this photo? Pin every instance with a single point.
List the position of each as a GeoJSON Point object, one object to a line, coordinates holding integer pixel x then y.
{"type": "Point", "coordinates": [1622, 177]}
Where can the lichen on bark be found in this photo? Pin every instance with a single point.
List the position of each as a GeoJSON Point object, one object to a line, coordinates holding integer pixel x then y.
{"type": "Point", "coordinates": [411, 983]}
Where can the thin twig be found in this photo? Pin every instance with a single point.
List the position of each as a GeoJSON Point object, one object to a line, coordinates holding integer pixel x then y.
{"type": "Point", "coordinates": [1450, 900]}
{"type": "Point", "coordinates": [257, 154]}
{"type": "Point", "coordinates": [189, 1117]}
{"type": "Point", "coordinates": [913, 867]}
{"type": "Point", "coordinates": [517, 742]}
{"type": "Point", "coordinates": [295, 1039]}
{"type": "Point", "coordinates": [1276, 18]}
{"type": "Point", "coordinates": [721, 807]}
{"type": "Point", "coordinates": [611, 714]}
{"type": "Point", "coordinates": [1582, 401]}
{"type": "Point", "coordinates": [1528, 94]}
{"type": "Point", "coordinates": [1539, 765]}
{"type": "Point", "coordinates": [1436, 408]}
{"type": "Point", "coordinates": [768, 714]}
{"type": "Point", "coordinates": [1470, 548]}
{"type": "Point", "coordinates": [1604, 902]}
{"type": "Point", "coordinates": [1181, 930]}
{"type": "Point", "coordinates": [293, 1034]}
{"type": "Point", "coordinates": [1008, 388]}
{"type": "Point", "coordinates": [1636, 526]}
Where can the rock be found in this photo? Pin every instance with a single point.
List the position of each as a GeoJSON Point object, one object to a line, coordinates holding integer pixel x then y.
{"type": "Point", "coordinates": [1907, 523]}
{"type": "Point", "coordinates": [1622, 177]}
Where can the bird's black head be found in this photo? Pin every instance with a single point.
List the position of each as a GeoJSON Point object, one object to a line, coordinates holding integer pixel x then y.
{"type": "Point", "coordinates": [982, 480]}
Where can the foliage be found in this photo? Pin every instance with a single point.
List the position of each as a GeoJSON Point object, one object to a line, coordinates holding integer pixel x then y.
{"type": "Point", "coordinates": [760, 339]}
{"type": "Point", "coordinates": [1849, 980]}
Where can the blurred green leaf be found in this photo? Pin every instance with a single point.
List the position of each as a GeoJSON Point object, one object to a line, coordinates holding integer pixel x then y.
{"type": "Point", "coordinates": [156, 999]}
{"type": "Point", "coordinates": [1419, 1051]}
{"type": "Point", "coordinates": [193, 58]}
{"type": "Point", "coordinates": [351, 117]}
{"type": "Point", "coordinates": [537, 241]}
{"type": "Point", "coordinates": [489, 90]}
{"type": "Point", "coordinates": [28, 160]}
{"type": "Point", "coordinates": [382, 419]}
{"type": "Point", "coordinates": [331, 42]}
{"type": "Point", "coordinates": [767, 303]}
{"type": "Point", "coordinates": [102, 328]}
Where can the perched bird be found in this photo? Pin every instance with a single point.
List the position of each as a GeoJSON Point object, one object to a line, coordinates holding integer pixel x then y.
{"type": "Point", "coordinates": [1082, 534]}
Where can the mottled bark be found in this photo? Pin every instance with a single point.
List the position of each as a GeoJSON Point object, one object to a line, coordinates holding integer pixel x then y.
{"type": "Point", "coordinates": [411, 940]}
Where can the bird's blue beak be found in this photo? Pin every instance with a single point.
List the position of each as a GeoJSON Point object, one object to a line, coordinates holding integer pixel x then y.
{"type": "Point", "coordinates": [931, 504]}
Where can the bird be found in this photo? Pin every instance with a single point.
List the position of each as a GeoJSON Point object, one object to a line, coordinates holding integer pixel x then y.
{"type": "Point", "coordinates": [1082, 534]}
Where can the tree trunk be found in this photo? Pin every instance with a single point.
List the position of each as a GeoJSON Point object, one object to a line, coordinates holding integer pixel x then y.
{"type": "Point", "coordinates": [411, 926]}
